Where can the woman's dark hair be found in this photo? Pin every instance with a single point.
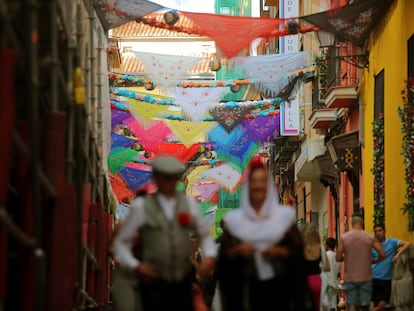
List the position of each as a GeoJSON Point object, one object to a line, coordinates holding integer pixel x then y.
{"type": "Point", "coordinates": [331, 243]}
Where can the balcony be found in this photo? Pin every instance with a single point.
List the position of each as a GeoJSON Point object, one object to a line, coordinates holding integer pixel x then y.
{"type": "Point", "coordinates": [339, 79]}
{"type": "Point", "coordinates": [322, 118]}
{"type": "Point", "coordinates": [342, 94]}
{"type": "Point", "coordinates": [283, 152]}
{"type": "Point", "coordinates": [305, 168]}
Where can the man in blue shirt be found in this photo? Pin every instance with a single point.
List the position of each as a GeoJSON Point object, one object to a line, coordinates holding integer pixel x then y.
{"type": "Point", "coordinates": [382, 271]}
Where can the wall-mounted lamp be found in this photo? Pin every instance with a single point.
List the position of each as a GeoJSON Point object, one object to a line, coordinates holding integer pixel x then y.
{"type": "Point", "coordinates": [327, 39]}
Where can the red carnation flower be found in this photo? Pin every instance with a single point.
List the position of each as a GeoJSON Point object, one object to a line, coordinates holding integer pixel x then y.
{"type": "Point", "coordinates": [184, 219]}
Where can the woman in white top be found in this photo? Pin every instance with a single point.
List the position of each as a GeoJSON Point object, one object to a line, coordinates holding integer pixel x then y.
{"type": "Point", "coordinates": [261, 254]}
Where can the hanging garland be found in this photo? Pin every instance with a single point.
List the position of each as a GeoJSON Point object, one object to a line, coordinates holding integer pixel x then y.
{"type": "Point", "coordinates": [378, 170]}
{"type": "Point", "coordinates": [159, 101]}
{"type": "Point", "coordinates": [406, 113]}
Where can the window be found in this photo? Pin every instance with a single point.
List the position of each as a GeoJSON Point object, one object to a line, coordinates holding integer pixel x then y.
{"type": "Point", "coordinates": [379, 94]}
{"type": "Point", "coordinates": [410, 56]}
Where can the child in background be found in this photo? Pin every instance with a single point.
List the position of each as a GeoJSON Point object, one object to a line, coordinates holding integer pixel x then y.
{"type": "Point", "coordinates": [330, 279]}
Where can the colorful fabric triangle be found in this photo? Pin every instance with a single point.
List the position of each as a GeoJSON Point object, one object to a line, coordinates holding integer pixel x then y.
{"type": "Point", "coordinates": [114, 13]}
{"type": "Point", "coordinates": [263, 127]}
{"type": "Point", "coordinates": [273, 72]}
{"type": "Point", "coordinates": [166, 70]}
{"type": "Point", "coordinates": [235, 147]}
{"type": "Point", "coordinates": [238, 161]}
{"type": "Point", "coordinates": [135, 178]}
{"type": "Point", "coordinates": [121, 141]}
{"type": "Point", "coordinates": [139, 166]}
{"type": "Point", "coordinates": [197, 101]}
{"type": "Point", "coordinates": [178, 150]}
{"type": "Point", "coordinates": [229, 117]}
{"type": "Point", "coordinates": [149, 138]}
{"type": "Point", "coordinates": [225, 175]}
{"type": "Point", "coordinates": [233, 33]}
{"type": "Point", "coordinates": [140, 109]}
{"type": "Point", "coordinates": [117, 116]}
{"type": "Point", "coordinates": [236, 142]}
{"type": "Point", "coordinates": [144, 112]}
{"type": "Point", "coordinates": [351, 22]}
{"type": "Point", "coordinates": [118, 157]}
{"type": "Point", "coordinates": [196, 173]}
{"type": "Point", "coordinates": [119, 188]}
{"type": "Point", "coordinates": [206, 190]}
{"type": "Point", "coordinates": [189, 132]}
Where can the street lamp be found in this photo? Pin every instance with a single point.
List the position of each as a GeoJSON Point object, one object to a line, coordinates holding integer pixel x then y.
{"type": "Point", "coordinates": [327, 39]}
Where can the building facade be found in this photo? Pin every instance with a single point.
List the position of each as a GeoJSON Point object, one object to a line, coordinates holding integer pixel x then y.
{"type": "Point", "coordinates": [391, 63]}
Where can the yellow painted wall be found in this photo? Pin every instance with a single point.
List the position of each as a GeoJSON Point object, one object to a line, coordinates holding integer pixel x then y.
{"type": "Point", "coordinates": [388, 51]}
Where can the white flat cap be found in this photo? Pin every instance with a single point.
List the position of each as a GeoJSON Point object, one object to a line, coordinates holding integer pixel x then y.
{"type": "Point", "coordinates": [167, 165]}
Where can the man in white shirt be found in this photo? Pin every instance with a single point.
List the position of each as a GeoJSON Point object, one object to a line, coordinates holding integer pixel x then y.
{"type": "Point", "coordinates": [164, 223]}
{"type": "Point", "coordinates": [330, 278]}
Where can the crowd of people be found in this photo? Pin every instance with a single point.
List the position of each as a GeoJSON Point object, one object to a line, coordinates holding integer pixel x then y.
{"type": "Point", "coordinates": [166, 259]}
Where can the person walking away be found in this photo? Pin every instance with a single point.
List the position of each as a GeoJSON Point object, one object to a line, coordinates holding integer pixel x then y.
{"type": "Point", "coordinates": [355, 250]}
{"type": "Point", "coordinates": [164, 222]}
{"type": "Point", "coordinates": [329, 289]}
{"type": "Point", "coordinates": [260, 260]}
{"type": "Point", "coordinates": [316, 261]}
{"type": "Point", "coordinates": [124, 290]}
{"type": "Point", "coordinates": [382, 271]}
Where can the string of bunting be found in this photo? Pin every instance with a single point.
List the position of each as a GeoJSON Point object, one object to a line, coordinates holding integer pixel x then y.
{"type": "Point", "coordinates": [154, 100]}
{"type": "Point", "coordinates": [194, 163]}
{"type": "Point", "coordinates": [142, 97]}
{"type": "Point", "coordinates": [115, 104]}
{"type": "Point", "coordinates": [130, 78]}
{"type": "Point", "coordinates": [215, 83]}
{"type": "Point", "coordinates": [185, 84]}
{"type": "Point", "coordinates": [263, 113]}
{"type": "Point", "coordinates": [253, 104]}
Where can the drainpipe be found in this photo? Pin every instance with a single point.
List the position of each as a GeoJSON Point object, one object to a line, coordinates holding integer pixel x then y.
{"type": "Point", "coordinates": [304, 204]}
{"type": "Point", "coordinates": [361, 121]}
{"type": "Point", "coordinates": [54, 57]}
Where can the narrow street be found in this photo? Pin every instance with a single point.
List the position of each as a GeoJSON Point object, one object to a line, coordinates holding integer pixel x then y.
{"type": "Point", "coordinates": [152, 152]}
